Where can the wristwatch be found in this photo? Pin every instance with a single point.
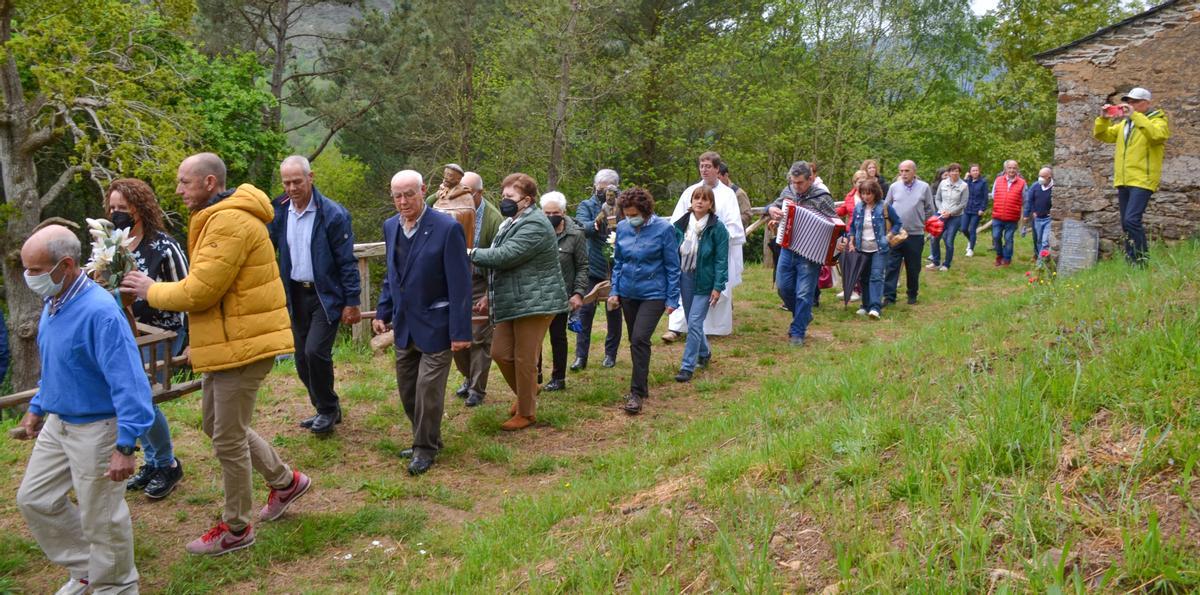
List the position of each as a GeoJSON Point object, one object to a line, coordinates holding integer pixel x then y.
{"type": "Point", "coordinates": [125, 450]}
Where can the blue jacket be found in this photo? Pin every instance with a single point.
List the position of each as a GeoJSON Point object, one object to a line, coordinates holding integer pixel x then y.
{"type": "Point", "coordinates": [877, 223]}
{"type": "Point", "coordinates": [427, 298]}
{"type": "Point", "coordinates": [585, 216]}
{"type": "Point", "coordinates": [91, 367]}
{"type": "Point", "coordinates": [977, 195]}
{"type": "Point", "coordinates": [335, 270]}
{"type": "Point", "coordinates": [646, 262]}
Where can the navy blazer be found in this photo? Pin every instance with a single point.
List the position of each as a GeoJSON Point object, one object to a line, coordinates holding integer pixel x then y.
{"type": "Point", "coordinates": [335, 269]}
{"type": "Point", "coordinates": [427, 298]}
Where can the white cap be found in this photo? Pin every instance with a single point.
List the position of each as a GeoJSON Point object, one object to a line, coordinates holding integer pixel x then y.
{"type": "Point", "coordinates": [1137, 93]}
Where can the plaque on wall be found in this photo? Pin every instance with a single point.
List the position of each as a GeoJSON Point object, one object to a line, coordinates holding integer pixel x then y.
{"type": "Point", "coordinates": [1080, 247]}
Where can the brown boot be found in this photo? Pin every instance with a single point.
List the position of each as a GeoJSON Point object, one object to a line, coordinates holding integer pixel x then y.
{"type": "Point", "coordinates": [517, 423]}
{"type": "Point", "coordinates": [512, 409]}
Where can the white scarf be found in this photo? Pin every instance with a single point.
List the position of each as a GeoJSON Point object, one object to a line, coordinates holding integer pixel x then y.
{"type": "Point", "coordinates": [691, 242]}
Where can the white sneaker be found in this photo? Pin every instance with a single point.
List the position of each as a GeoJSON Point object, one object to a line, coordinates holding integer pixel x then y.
{"type": "Point", "coordinates": [841, 294]}
{"type": "Point", "coordinates": [861, 311]}
{"type": "Point", "coordinates": [75, 586]}
{"type": "Point", "coordinates": [943, 268]}
{"type": "Point", "coordinates": [970, 252]}
{"type": "Point", "coordinates": [873, 314]}
{"type": "Point", "coordinates": [854, 297]}
{"type": "Point", "coordinates": [931, 266]}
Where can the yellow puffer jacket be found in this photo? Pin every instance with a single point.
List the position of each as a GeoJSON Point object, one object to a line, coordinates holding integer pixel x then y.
{"type": "Point", "coordinates": [1138, 157]}
{"type": "Point", "coordinates": [233, 294]}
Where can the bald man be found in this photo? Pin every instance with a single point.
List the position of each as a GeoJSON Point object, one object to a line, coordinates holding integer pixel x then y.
{"type": "Point", "coordinates": [475, 363]}
{"type": "Point", "coordinates": [238, 322]}
{"type": "Point", "coordinates": [92, 402]}
{"type": "Point", "coordinates": [315, 240]}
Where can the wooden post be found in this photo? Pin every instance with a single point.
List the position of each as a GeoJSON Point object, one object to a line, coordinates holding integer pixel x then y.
{"type": "Point", "coordinates": [362, 331]}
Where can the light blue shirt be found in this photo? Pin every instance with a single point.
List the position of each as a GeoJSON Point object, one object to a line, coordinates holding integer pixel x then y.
{"type": "Point", "coordinates": [478, 223]}
{"type": "Point", "coordinates": [299, 239]}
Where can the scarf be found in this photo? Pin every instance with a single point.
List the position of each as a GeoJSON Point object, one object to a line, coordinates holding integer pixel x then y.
{"type": "Point", "coordinates": [690, 247]}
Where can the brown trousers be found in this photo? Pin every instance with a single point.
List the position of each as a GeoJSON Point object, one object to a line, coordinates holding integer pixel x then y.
{"type": "Point", "coordinates": [516, 345]}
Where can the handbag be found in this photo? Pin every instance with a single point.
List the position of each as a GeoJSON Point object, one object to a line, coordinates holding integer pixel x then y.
{"type": "Point", "coordinates": [894, 239]}
{"type": "Point", "coordinates": [825, 279]}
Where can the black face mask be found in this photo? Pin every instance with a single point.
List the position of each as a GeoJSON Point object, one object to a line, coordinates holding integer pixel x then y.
{"type": "Point", "coordinates": [508, 207]}
{"type": "Point", "coordinates": [555, 220]}
{"type": "Point", "coordinates": [122, 220]}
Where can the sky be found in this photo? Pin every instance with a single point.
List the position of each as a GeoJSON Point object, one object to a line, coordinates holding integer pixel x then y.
{"type": "Point", "coordinates": [982, 6]}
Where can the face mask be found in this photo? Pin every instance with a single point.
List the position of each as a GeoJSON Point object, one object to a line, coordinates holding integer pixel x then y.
{"type": "Point", "coordinates": [636, 221]}
{"type": "Point", "coordinates": [42, 284]}
{"type": "Point", "coordinates": [508, 207]}
{"type": "Point", "coordinates": [122, 220]}
{"type": "Point", "coordinates": [1043, 181]}
{"type": "Point", "coordinates": [555, 220]}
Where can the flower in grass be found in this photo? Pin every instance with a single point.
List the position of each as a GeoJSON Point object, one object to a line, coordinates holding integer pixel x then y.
{"type": "Point", "coordinates": [1044, 253]}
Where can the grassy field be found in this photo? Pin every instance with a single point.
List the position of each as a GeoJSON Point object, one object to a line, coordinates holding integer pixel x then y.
{"type": "Point", "coordinates": [997, 437]}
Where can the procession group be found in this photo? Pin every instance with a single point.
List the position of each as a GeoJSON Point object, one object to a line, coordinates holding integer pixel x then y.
{"type": "Point", "coordinates": [468, 282]}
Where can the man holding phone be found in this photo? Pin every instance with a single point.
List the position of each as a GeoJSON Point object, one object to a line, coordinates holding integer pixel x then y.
{"type": "Point", "coordinates": [1139, 135]}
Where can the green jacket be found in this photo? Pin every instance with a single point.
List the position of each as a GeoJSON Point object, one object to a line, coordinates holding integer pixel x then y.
{"type": "Point", "coordinates": [1137, 160]}
{"type": "Point", "coordinates": [491, 224]}
{"type": "Point", "coordinates": [525, 277]}
{"type": "Point", "coordinates": [712, 261]}
{"type": "Point", "coordinates": [573, 258]}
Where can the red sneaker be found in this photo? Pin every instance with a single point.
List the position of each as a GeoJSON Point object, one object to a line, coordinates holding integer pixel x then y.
{"type": "Point", "coordinates": [279, 500]}
{"type": "Point", "coordinates": [221, 540]}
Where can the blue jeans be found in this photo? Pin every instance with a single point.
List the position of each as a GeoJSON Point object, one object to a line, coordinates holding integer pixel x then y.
{"type": "Point", "coordinates": [1041, 236]}
{"type": "Point", "coordinates": [947, 238]}
{"type": "Point", "coordinates": [872, 280]}
{"type": "Point", "coordinates": [1002, 238]}
{"type": "Point", "coordinates": [695, 307]}
{"type": "Point", "coordinates": [970, 223]}
{"type": "Point", "coordinates": [1132, 202]}
{"type": "Point", "coordinates": [156, 441]}
{"type": "Point", "coordinates": [796, 280]}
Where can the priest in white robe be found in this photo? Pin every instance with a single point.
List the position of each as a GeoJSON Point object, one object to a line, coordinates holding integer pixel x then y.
{"type": "Point", "coordinates": [720, 317]}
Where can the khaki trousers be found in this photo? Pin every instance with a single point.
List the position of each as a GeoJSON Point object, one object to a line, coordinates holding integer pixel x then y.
{"type": "Point", "coordinates": [516, 347]}
{"type": "Point", "coordinates": [228, 405]}
{"type": "Point", "coordinates": [94, 538]}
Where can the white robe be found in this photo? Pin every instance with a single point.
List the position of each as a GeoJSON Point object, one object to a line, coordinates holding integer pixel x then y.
{"type": "Point", "coordinates": [720, 317]}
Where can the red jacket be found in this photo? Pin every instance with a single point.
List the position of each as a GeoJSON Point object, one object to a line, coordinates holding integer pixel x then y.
{"type": "Point", "coordinates": [846, 209]}
{"type": "Point", "coordinates": [1007, 199]}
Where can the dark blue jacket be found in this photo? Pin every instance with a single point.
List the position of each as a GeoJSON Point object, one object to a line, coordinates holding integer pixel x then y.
{"type": "Point", "coordinates": [427, 298]}
{"type": "Point", "coordinates": [977, 195]}
{"type": "Point", "coordinates": [335, 269]}
{"type": "Point", "coordinates": [585, 216]}
{"type": "Point", "coordinates": [877, 223]}
{"type": "Point", "coordinates": [1037, 201]}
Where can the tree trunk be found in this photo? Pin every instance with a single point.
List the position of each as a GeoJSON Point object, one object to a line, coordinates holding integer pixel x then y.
{"type": "Point", "coordinates": [562, 102]}
{"type": "Point", "coordinates": [279, 66]}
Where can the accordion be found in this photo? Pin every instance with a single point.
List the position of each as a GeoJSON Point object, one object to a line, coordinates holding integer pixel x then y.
{"type": "Point", "coordinates": [809, 234]}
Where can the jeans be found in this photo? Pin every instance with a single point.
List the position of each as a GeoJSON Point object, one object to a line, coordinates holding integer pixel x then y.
{"type": "Point", "coordinates": [313, 335]}
{"type": "Point", "coordinates": [872, 279]}
{"type": "Point", "coordinates": [1041, 235]}
{"type": "Point", "coordinates": [796, 280]}
{"type": "Point", "coordinates": [695, 307]}
{"type": "Point", "coordinates": [1002, 238]}
{"type": "Point", "coordinates": [947, 238]}
{"type": "Point", "coordinates": [1132, 201]}
{"type": "Point", "coordinates": [156, 440]}
{"type": "Point", "coordinates": [612, 340]}
{"type": "Point", "coordinates": [641, 317]}
{"type": "Point", "coordinates": [907, 253]}
{"type": "Point", "coordinates": [970, 223]}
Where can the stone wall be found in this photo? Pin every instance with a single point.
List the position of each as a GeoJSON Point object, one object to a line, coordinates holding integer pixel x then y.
{"type": "Point", "coordinates": [1159, 52]}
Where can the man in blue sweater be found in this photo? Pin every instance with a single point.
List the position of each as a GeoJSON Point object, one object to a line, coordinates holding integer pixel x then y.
{"type": "Point", "coordinates": [92, 402]}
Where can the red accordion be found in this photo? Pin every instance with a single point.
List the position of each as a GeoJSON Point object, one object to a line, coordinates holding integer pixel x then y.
{"type": "Point", "coordinates": [808, 233]}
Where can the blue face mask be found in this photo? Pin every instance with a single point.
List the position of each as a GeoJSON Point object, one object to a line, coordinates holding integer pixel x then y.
{"type": "Point", "coordinates": [636, 221]}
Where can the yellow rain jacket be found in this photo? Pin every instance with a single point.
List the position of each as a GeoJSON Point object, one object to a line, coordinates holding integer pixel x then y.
{"type": "Point", "coordinates": [237, 310]}
{"type": "Point", "coordinates": [1139, 154]}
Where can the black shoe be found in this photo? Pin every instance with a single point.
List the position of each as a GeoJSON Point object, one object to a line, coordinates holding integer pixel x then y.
{"type": "Point", "coordinates": [463, 391]}
{"type": "Point", "coordinates": [633, 404]}
{"type": "Point", "coordinates": [406, 453]}
{"type": "Point", "coordinates": [308, 423]}
{"type": "Point", "coordinates": [609, 361]}
{"type": "Point", "coordinates": [703, 361]}
{"type": "Point", "coordinates": [540, 380]}
{"type": "Point", "coordinates": [474, 400]}
{"type": "Point", "coordinates": [420, 464]}
{"type": "Point", "coordinates": [912, 301]}
{"type": "Point", "coordinates": [554, 385]}
{"type": "Point", "coordinates": [889, 301]}
{"type": "Point", "coordinates": [578, 364]}
{"type": "Point", "coordinates": [324, 422]}
{"type": "Point", "coordinates": [683, 376]}
{"type": "Point", "coordinates": [142, 478]}
{"type": "Point", "coordinates": [164, 481]}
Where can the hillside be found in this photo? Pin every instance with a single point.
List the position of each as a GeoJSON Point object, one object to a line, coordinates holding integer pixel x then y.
{"type": "Point", "coordinates": [999, 435]}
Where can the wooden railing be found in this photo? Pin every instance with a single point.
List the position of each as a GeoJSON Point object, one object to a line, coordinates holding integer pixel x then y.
{"type": "Point", "coordinates": [361, 332]}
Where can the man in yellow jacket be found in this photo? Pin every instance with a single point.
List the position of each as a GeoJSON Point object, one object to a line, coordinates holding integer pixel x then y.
{"type": "Point", "coordinates": [1139, 134]}
{"type": "Point", "coordinates": [238, 322]}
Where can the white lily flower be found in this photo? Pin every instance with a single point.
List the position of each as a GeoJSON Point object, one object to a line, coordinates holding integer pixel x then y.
{"type": "Point", "coordinates": [612, 237]}
{"type": "Point", "coordinates": [98, 235]}
{"type": "Point", "coordinates": [95, 224]}
{"type": "Point", "coordinates": [118, 236]}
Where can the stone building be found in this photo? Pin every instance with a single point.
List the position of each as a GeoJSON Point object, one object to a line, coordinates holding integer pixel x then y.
{"type": "Point", "coordinates": [1159, 50]}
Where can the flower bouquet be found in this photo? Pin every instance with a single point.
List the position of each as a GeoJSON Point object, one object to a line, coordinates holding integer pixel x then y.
{"type": "Point", "coordinates": [111, 260]}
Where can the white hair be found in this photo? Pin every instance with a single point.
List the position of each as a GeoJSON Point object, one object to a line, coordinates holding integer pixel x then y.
{"type": "Point", "coordinates": [63, 245]}
{"type": "Point", "coordinates": [554, 198]}
{"type": "Point", "coordinates": [608, 177]}
{"type": "Point", "coordinates": [1012, 161]}
{"type": "Point", "coordinates": [406, 174]}
{"type": "Point", "coordinates": [299, 160]}
{"type": "Point", "coordinates": [476, 179]}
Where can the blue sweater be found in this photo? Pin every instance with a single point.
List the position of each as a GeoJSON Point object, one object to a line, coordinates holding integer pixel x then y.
{"type": "Point", "coordinates": [646, 262]}
{"type": "Point", "coordinates": [1037, 200]}
{"type": "Point", "coordinates": [91, 368]}
{"type": "Point", "coordinates": [977, 195]}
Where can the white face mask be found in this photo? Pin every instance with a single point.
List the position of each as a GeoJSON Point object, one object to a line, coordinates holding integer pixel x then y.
{"type": "Point", "coordinates": [42, 284]}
